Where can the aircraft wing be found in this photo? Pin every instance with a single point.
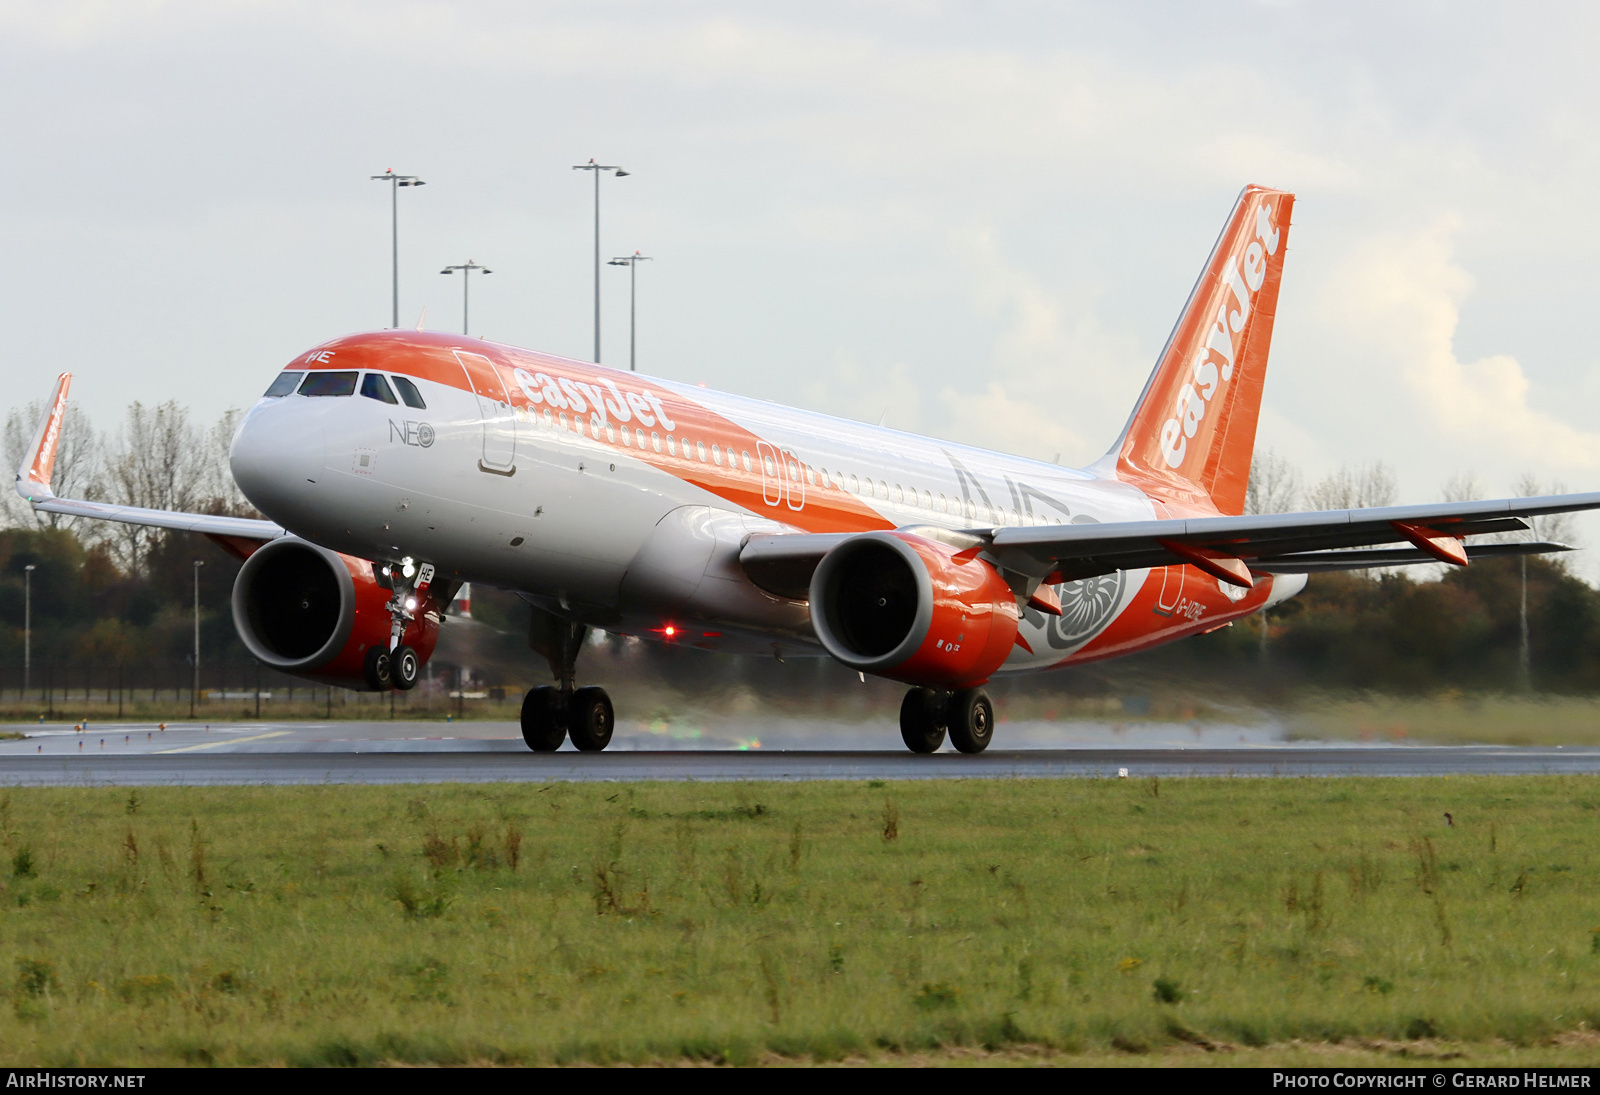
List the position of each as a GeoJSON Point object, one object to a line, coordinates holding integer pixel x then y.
{"type": "Point", "coordinates": [1229, 548]}
{"type": "Point", "coordinates": [33, 484]}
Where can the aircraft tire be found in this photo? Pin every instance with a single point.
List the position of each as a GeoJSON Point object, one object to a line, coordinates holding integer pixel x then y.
{"type": "Point", "coordinates": [971, 720]}
{"type": "Point", "coordinates": [590, 719]}
{"type": "Point", "coordinates": [405, 668]}
{"type": "Point", "coordinates": [376, 669]}
{"type": "Point", "coordinates": [541, 728]}
{"type": "Point", "coordinates": [922, 720]}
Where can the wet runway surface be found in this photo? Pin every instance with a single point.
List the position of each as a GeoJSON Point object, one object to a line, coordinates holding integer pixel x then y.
{"type": "Point", "coordinates": [429, 752]}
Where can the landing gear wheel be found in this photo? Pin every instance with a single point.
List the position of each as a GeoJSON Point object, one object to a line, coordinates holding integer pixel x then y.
{"type": "Point", "coordinates": [971, 720]}
{"type": "Point", "coordinates": [590, 719]}
{"type": "Point", "coordinates": [542, 729]}
{"type": "Point", "coordinates": [376, 669]}
{"type": "Point", "coordinates": [922, 720]}
{"type": "Point", "coordinates": [404, 668]}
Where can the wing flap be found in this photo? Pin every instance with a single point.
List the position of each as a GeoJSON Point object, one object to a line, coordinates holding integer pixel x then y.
{"type": "Point", "coordinates": [1320, 562]}
{"type": "Point", "coordinates": [204, 523]}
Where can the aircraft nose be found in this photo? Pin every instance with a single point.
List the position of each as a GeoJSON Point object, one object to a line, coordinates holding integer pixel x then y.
{"type": "Point", "coordinates": [277, 458]}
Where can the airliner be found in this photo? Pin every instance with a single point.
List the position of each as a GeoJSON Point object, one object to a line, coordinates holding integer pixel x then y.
{"type": "Point", "coordinates": [396, 465]}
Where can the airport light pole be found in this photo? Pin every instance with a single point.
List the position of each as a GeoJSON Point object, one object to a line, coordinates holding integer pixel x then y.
{"type": "Point", "coordinates": [466, 269]}
{"type": "Point", "coordinates": [27, 629]}
{"type": "Point", "coordinates": [395, 183]}
{"type": "Point", "coordinates": [632, 263]}
{"type": "Point", "coordinates": [598, 169]}
{"type": "Point", "coordinates": [194, 691]}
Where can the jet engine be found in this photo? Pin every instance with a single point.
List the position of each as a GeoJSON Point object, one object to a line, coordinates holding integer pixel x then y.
{"type": "Point", "coordinates": [913, 610]}
{"type": "Point", "coordinates": [315, 613]}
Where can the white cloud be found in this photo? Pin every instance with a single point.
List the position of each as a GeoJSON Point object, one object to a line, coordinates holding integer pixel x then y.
{"type": "Point", "coordinates": [1399, 299]}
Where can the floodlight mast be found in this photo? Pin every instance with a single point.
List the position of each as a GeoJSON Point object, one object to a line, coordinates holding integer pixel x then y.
{"type": "Point", "coordinates": [395, 182]}
{"type": "Point", "coordinates": [466, 269]}
{"type": "Point", "coordinates": [598, 169]}
{"type": "Point", "coordinates": [27, 629]}
{"type": "Point", "coordinates": [632, 262]}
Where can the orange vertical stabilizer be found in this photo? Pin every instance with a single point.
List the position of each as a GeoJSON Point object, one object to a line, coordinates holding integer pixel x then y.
{"type": "Point", "coordinates": [1193, 431]}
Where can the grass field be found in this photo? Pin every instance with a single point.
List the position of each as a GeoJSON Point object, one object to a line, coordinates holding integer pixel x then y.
{"type": "Point", "coordinates": [1450, 718]}
{"type": "Point", "coordinates": [1067, 921]}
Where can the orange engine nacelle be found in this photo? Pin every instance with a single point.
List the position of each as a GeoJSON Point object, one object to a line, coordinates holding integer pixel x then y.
{"type": "Point", "coordinates": [912, 610]}
{"type": "Point", "coordinates": [312, 612]}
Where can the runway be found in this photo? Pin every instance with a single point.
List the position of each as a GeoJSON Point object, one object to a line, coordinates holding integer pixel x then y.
{"type": "Point", "coordinates": [386, 752]}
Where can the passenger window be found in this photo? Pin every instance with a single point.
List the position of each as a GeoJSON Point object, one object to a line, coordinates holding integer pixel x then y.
{"type": "Point", "coordinates": [340, 383]}
{"type": "Point", "coordinates": [409, 394]}
{"type": "Point", "coordinates": [282, 385]}
{"type": "Point", "coordinates": [747, 464]}
{"type": "Point", "coordinates": [373, 386]}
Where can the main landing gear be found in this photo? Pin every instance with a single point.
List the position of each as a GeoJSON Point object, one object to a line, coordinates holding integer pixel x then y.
{"type": "Point", "coordinates": [551, 714]}
{"type": "Point", "coordinates": [927, 714]}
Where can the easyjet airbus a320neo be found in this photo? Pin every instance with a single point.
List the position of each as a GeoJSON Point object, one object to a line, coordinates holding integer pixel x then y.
{"type": "Point", "coordinates": [396, 465]}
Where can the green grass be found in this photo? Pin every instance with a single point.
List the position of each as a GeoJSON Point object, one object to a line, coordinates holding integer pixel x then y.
{"type": "Point", "coordinates": [1329, 921]}
{"type": "Point", "coordinates": [1449, 718]}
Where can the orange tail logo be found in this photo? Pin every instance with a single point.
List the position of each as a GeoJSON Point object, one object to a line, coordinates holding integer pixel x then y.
{"type": "Point", "coordinates": [1192, 435]}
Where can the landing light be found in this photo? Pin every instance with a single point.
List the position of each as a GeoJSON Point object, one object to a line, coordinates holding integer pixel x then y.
{"type": "Point", "coordinates": [407, 567]}
{"type": "Point", "coordinates": [671, 631]}
{"type": "Point", "coordinates": [411, 604]}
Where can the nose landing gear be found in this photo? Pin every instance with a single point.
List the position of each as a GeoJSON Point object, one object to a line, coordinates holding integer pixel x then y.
{"type": "Point", "coordinates": [553, 714]}
{"type": "Point", "coordinates": [926, 715]}
{"type": "Point", "coordinates": [398, 666]}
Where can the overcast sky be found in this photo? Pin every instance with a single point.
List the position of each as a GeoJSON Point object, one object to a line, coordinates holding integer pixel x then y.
{"type": "Point", "coordinates": [981, 217]}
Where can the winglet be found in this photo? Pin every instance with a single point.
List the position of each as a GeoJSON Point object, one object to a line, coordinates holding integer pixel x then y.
{"type": "Point", "coordinates": [39, 462]}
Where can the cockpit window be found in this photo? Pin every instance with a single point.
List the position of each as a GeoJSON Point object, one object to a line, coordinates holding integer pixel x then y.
{"type": "Point", "coordinates": [320, 383]}
{"type": "Point", "coordinates": [373, 386]}
{"type": "Point", "coordinates": [408, 392]}
{"type": "Point", "coordinates": [282, 385]}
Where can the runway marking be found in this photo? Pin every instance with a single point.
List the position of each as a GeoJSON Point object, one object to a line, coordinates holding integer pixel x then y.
{"type": "Point", "coordinates": [214, 744]}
